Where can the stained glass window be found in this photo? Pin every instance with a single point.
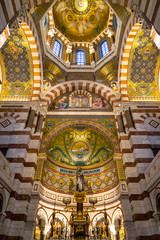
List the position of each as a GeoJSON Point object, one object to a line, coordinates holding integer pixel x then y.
{"type": "Point", "coordinates": [80, 57]}
{"type": "Point", "coordinates": [104, 48]}
{"type": "Point", "coordinates": [57, 47]}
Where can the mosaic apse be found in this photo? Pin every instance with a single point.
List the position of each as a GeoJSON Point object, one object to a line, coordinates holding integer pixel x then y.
{"type": "Point", "coordinates": [143, 68]}
{"type": "Point", "coordinates": [79, 146]}
{"type": "Point", "coordinates": [72, 142]}
{"type": "Point", "coordinates": [16, 64]}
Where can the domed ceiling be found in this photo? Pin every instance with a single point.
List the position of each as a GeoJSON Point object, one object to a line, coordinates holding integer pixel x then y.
{"type": "Point", "coordinates": [81, 20]}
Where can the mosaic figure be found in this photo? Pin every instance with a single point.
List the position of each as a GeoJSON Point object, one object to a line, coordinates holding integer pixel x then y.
{"type": "Point", "coordinates": [63, 103]}
{"type": "Point", "coordinates": [98, 103]}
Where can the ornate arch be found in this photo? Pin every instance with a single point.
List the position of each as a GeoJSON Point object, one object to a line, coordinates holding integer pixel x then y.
{"type": "Point", "coordinates": [131, 31]}
{"type": "Point", "coordinates": [35, 59]}
{"type": "Point", "coordinates": [72, 86]}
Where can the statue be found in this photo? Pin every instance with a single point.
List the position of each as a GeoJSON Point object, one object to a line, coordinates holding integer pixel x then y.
{"type": "Point", "coordinates": [79, 180]}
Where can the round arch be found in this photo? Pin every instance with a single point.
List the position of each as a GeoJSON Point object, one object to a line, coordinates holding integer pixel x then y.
{"type": "Point", "coordinates": [131, 31]}
{"type": "Point", "coordinates": [85, 85]}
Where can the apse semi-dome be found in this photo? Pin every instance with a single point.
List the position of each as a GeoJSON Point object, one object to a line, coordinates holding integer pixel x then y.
{"type": "Point", "coordinates": [80, 146]}
{"type": "Point", "coordinates": [80, 20]}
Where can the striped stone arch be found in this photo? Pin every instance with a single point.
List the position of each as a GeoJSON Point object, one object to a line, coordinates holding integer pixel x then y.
{"type": "Point", "coordinates": [32, 38]}
{"type": "Point", "coordinates": [130, 33]}
{"type": "Point", "coordinates": [89, 86]}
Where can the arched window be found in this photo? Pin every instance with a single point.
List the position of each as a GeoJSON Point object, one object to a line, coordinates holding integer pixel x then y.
{"type": "Point", "coordinates": [104, 48]}
{"type": "Point", "coordinates": [115, 22]}
{"type": "Point", "coordinates": [57, 48]}
{"type": "Point", "coordinates": [80, 57]}
{"type": "Point", "coordinates": [158, 202]}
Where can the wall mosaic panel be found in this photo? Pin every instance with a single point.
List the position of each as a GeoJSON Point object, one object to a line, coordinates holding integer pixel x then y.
{"type": "Point", "coordinates": [63, 182]}
{"type": "Point", "coordinates": [143, 69]}
{"type": "Point", "coordinates": [81, 100]}
{"type": "Point", "coordinates": [17, 67]}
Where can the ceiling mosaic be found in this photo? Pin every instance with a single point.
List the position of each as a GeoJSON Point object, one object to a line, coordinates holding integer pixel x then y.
{"type": "Point", "coordinates": [143, 68]}
{"type": "Point", "coordinates": [16, 62]}
{"type": "Point", "coordinates": [65, 181]}
{"type": "Point", "coordinates": [81, 20]}
{"type": "Point", "coordinates": [72, 143]}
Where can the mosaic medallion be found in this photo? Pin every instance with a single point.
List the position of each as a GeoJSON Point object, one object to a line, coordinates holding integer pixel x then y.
{"type": "Point", "coordinates": [143, 89]}
{"type": "Point", "coordinates": [81, 6]}
{"type": "Point", "coordinates": [80, 150]}
{"type": "Point", "coordinates": [17, 89]}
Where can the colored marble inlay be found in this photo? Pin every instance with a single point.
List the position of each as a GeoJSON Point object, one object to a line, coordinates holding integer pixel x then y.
{"type": "Point", "coordinates": [143, 68]}
{"type": "Point", "coordinates": [16, 64]}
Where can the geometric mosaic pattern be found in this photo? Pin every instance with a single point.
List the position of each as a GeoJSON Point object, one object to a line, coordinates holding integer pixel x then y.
{"type": "Point", "coordinates": [16, 67]}
{"type": "Point", "coordinates": [143, 68]}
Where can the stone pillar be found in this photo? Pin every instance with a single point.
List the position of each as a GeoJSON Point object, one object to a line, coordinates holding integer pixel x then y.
{"type": "Point", "coordinates": [30, 118]}
{"type": "Point", "coordinates": [129, 119]}
{"type": "Point", "coordinates": [51, 34]}
{"type": "Point", "coordinates": [39, 123]}
{"type": "Point", "coordinates": [128, 222]}
{"type": "Point", "coordinates": [92, 53]}
{"type": "Point", "coordinates": [110, 34]}
{"type": "Point", "coordinates": [68, 52]}
{"type": "Point", "coordinates": [120, 123]}
{"type": "Point", "coordinates": [31, 216]}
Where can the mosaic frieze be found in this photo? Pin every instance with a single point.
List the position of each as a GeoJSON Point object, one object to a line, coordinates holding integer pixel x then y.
{"type": "Point", "coordinates": [66, 182]}
{"type": "Point", "coordinates": [80, 100]}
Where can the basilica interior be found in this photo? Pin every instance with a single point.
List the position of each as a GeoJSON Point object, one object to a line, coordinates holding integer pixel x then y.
{"type": "Point", "coordinates": [79, 119]}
